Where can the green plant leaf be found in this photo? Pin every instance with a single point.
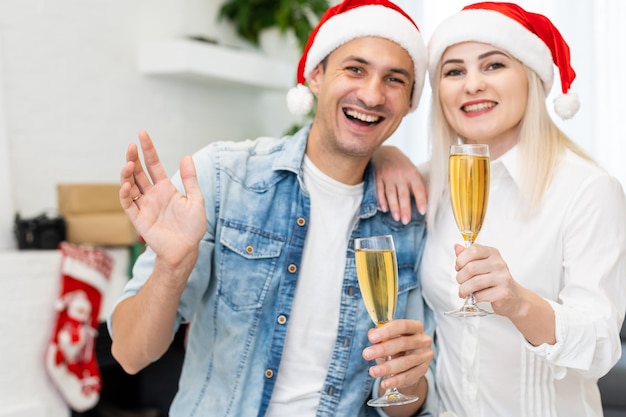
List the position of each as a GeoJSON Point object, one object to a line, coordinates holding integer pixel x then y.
{"type": "Point", "coordinates": [251, 17]}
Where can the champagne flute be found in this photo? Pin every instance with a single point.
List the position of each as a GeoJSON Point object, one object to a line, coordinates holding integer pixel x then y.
{"type": "Point", "coordinates": [468, 176]}
{"type": "Point", "coordinates": [377, 271]}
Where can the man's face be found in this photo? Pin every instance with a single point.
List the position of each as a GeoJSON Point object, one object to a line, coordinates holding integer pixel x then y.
{"type": "Point", "coordinates": [363, 93]}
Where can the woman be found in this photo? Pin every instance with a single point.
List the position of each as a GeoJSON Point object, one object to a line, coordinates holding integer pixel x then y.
{"type": "Point", "coordinates": [550, 261]}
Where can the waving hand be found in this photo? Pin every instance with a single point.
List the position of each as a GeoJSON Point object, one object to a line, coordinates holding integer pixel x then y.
{"type": "Point", "coordinates": [171, 223]}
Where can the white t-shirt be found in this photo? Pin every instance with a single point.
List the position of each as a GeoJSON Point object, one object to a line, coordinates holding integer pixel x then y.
{"type": "Point", "coordinates": [314, 316]}
{"type": "Point", "coordinates": [572, 253]}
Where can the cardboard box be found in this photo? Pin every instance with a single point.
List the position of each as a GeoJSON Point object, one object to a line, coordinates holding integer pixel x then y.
{"type": "Point", "coordinates": [88, 198]}
{"type": "Point", "coordinates": [100, 229]}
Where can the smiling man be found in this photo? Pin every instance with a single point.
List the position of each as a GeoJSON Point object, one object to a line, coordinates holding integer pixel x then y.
{"type": "Point", "coordinates": [251, 243]}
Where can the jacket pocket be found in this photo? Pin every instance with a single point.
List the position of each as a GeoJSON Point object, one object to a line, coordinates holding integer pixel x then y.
{"type": "Point", "coordinates": [246, 266]}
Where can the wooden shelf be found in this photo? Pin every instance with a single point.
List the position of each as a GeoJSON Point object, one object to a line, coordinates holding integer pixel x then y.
{"type": "Point", "coordinates": [197, 60]}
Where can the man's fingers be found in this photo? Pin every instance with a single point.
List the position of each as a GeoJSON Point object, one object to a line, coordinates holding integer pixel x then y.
{"type": "Point", "coordinates": [126, 193]}
{"type": "Point", "coordinates": [189, 178]}
{"type": "Point", "coordinates": [151, 158]}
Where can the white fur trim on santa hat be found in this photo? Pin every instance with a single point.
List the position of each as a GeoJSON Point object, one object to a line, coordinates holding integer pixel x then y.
{"type": "Point", "coordinates": [494, 28]}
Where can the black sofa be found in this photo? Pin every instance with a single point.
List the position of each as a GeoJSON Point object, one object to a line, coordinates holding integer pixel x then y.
{"type": "Point", "coordinates": [613, 385]}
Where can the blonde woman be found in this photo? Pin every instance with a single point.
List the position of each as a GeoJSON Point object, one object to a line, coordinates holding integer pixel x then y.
{"type": "Point", "coordinates": [550, 261]}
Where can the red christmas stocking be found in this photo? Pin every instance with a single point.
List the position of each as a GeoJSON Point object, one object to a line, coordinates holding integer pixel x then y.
{"type": "Point", "coordinates": [70, 358]}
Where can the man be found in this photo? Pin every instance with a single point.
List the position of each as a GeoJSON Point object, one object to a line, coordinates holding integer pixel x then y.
{"type": "Point", "coordinates": [251, 244]}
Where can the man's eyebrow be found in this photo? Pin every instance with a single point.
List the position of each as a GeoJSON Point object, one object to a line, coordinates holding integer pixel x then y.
{"type": "Point", "coordinates": [401, 71]}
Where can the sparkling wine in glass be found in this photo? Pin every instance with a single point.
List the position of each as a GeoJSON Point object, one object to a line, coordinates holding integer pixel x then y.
{"type": "Point", "coordinates": [377, 271]}
{"type": "Point", "coordinates": [468, 176]}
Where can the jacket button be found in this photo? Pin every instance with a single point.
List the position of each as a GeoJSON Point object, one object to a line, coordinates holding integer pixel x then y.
{"type": "Point", "coordinates": [269, 373]}
{"type": "Point", "coordinates": [249, 249]}
{"type": "Point", "coordinates": [292, 268]}
{"type": "Point", "coordinates": [282, 319]}
{"type": "Point", "coordinates": [301, 221]}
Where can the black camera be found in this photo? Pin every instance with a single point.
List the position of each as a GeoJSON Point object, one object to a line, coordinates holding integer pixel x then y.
{"type": "Point", "coordinates": [41, 232]}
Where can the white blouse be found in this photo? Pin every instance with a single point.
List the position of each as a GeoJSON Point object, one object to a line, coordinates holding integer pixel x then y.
{"type": "Point", "coordinates": [572, 253]}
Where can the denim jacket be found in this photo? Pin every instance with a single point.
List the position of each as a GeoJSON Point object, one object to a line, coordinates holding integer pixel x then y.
{"type": "Point", "coordinates": [239, 295]}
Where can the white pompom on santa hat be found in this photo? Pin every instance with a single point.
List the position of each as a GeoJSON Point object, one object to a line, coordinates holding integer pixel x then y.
{"type": "Point", "coordinates": [353, 19]}
{"type": "Point", "coordinates": [529, 37]}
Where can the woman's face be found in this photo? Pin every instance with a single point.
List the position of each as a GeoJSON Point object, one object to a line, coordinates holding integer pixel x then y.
{"type": "Point", "coordinates": [483, 92]}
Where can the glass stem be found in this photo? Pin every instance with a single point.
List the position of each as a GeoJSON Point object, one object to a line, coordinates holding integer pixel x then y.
{"type": "Point", "coordinates": [391, 392]}
{"type": "Point", "coordinates": [469, 300]}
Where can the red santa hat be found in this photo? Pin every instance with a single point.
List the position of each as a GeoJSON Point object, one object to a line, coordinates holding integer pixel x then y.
{"type": "Point", "coordinates": [529, 37]}
{"type": "Point", "coordinates": [353, 19]}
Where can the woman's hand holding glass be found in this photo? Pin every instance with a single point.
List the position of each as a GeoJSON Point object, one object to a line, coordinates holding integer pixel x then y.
{"type": "Point", "coordinates": [482, 270]}
{"type": "Point", "coordinates": [468, 180]}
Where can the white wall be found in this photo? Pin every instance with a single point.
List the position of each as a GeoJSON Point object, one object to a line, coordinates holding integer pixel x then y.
{"type": "Point", "coordinates": [72, 98]}
{"type": "Point", "coordinates": [29, 285]}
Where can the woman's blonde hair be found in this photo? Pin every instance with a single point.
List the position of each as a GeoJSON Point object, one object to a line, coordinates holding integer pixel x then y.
{"type": "Point", "coordinates": [541, 145]}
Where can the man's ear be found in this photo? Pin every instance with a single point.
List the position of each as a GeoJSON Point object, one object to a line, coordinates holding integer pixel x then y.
{"type": "Point", "coordinates": [315, 78]}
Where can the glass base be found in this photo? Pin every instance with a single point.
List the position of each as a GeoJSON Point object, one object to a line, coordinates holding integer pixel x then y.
{"type": "Point", "coordinates": [392, 398]}
{"type": "Point", "coordinates": [468, 311]}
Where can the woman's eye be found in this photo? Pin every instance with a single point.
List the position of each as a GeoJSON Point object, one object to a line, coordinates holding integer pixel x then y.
{"type": "Point", "coordinates": [495, 65]}
{"type": "Point", "coordinates": [452, 73]}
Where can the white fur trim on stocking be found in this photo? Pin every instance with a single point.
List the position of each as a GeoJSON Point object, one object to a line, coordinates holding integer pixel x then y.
{"type": "Point", "coordinates": [80, 394]}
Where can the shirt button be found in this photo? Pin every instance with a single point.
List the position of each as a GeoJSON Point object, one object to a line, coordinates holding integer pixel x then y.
{"type": "Point", "coordinates": [269, 373]}
{"type": "Point", "coordinates": [301, 221]}
{"type": "Point", "coordinates": [249, 249]}
{"type": "Point", "coordinates": [292, 268]}
{"type": "Point", "coordinates": [282, 319]}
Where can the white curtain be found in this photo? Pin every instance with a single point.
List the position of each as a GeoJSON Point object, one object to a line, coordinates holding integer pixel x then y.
{"type": "Point", "coordinates": [595, 33]}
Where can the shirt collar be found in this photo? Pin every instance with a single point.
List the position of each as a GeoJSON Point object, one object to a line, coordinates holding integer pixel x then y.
{"type": "Point", "coordinates": [292, 159]}
{"type": "Point", "coordinates": [292, 156]}
{"type": "Point", "coordinates": [509, 162]}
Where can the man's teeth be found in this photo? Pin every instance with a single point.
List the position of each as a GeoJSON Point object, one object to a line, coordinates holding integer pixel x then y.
{"type": "Point", "coordinates": [362, 117]}
{"type": "Point", "coordinates": [478, 107]}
